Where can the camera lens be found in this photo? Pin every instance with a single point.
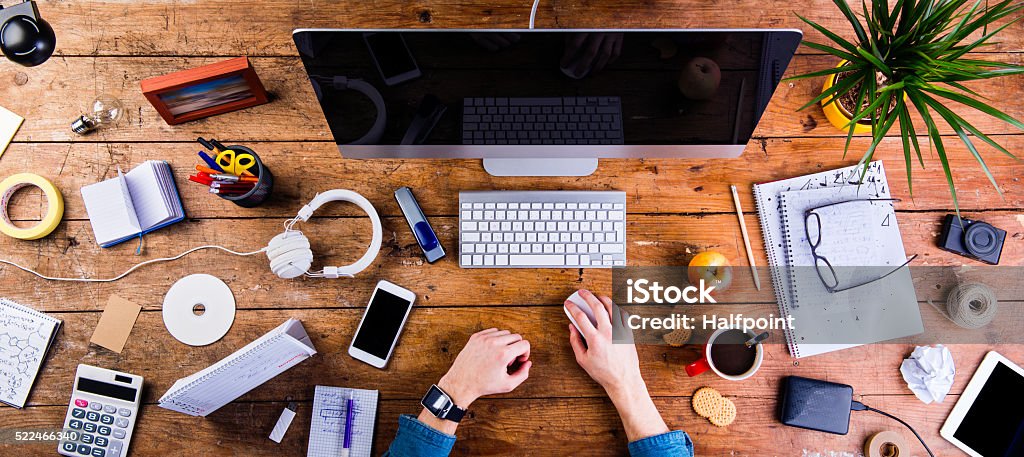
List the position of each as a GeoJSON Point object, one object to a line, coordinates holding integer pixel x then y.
{"type": "Point", "coordinates": [981, 239]}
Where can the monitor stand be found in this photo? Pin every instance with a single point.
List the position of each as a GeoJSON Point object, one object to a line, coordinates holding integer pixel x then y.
{"type": "Point", "coordinates": [540, 167]}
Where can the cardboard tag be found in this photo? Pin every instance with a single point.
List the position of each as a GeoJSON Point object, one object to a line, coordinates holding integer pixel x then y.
{"type": "Point", "coordinates": [116, 323]}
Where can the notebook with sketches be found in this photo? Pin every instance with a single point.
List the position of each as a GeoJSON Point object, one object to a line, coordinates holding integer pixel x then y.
{"type": "Point", "coordinates": [26, 335]}
{"type": "Point", "coordinates": [133, 204]}
{"type": "Point", "coordinates": [327, 429]}
{"type": "Point", "coordinates": [862, 242]}
{"type": "Point", "coordinates": [769, 211]}
{"type": "Point", "coordinates": [235, 375]}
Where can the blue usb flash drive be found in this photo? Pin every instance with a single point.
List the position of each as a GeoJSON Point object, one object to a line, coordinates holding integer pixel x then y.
{"type": "Point", "coordinates": [418, 223]}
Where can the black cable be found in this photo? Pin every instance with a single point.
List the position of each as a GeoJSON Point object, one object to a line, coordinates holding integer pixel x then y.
{"type": "Point", "coordinates": [858, 406]}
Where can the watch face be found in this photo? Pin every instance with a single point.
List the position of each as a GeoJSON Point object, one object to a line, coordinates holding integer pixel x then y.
{"type": "Point", "coordinates": [436, 401]}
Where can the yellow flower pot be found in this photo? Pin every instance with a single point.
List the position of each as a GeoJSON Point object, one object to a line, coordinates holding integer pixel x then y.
{"type": "Point", "coordinates": [836, 114]}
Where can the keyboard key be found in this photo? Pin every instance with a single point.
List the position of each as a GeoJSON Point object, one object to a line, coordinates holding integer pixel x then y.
{"type": "Point", "coordinates": [611, 249]}
{"type": "Point", "coordinates": [469, 226]}
{"type": "Point", "coordinates": [467, 260]}
{"type": "Point", "coordinates": [526, 260]}
{"type": "Point", "coordinates": [467, 248]}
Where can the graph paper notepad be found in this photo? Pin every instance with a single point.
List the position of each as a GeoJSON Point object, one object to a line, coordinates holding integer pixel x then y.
{"type": "Point", "coordinates": [327, 429]}
{"type": "Point", "coordinates": [240, 372]}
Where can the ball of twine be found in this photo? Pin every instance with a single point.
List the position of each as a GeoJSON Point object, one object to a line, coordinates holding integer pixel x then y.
{"type": "Point", "coordinates": [971, 305]}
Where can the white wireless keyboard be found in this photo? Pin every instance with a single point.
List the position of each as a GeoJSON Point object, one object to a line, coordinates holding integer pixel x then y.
{"type": "Point", "coordinates": [542, 229]}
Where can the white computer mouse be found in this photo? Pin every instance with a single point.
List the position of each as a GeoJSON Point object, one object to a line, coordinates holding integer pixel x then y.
{"type": "Point", "coordinates": [583, 306]}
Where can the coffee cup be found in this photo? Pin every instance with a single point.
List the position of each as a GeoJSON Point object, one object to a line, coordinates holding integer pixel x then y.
{"type": "Point", "coordinates": [726, 354]}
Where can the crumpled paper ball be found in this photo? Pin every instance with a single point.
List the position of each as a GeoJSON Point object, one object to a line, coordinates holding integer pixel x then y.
{"type": "Point", "coordinates": [929, 372]}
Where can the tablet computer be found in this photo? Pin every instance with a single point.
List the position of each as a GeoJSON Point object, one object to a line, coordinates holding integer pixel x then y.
{"type": "Point", "coordinates": [988, 420]}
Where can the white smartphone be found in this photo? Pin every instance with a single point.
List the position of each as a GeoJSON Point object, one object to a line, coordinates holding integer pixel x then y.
{"type": "Point", "coordinates": [382, 323]}
{"type": "Point", "coordinates": [393, 59]}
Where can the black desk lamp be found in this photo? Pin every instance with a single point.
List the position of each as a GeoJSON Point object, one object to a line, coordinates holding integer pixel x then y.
{"type": "Point", "coordinates": [25, 37]}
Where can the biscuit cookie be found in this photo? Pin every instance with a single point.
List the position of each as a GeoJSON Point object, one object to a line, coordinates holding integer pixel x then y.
{"type": "Point", "coordinates": [707, 402]}
{"type": "Point", "coordinates": [726, 413]}
{"type": "Point", "coordinates": [678, 337]}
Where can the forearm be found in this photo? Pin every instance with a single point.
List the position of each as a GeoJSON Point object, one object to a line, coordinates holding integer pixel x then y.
{"type": "Point", "coordinates": [640, 417]}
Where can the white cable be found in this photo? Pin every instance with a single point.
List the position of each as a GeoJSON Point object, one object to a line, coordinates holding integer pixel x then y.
{"type": "Point", "coordinates": [533, 12]}
{"type": "Point", "coordinates": [126, 273]}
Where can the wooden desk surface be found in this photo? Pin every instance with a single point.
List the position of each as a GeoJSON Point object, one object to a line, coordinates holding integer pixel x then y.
{"type": "Point", "coordinates": [676, 207]}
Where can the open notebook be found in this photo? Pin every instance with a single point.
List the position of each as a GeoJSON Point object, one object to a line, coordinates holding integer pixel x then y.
{"type": "Point", "coordinates": [25, 337]}
{"type": "Point", "coordinates": [133, 204]}
{"type": "Point", "coordinates": [244, 370]}
{"type": "Point", "coordinates": [780, 206]}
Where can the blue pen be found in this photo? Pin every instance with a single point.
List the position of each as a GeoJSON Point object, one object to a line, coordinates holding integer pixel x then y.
{"type": "Point", "coordinates": [210, 162]}
{"type": "Point", "coordinates": [348, 425]}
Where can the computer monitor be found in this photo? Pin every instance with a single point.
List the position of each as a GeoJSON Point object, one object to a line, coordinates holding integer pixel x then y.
{"type": "Point", "coordinates": [544, 102]}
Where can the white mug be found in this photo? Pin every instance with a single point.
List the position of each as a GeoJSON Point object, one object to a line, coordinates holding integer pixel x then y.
{"type": "Point", "coordinates": [706, 362]}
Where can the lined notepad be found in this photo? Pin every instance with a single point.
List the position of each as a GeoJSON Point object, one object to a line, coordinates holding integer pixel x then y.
{"type": "Point", "coordinates": [133, 204]}
{"type": "Point", "coordinates": [235, 375]}
{"type": "Point", "coordinates": [780, 230]}
{"type": "Point", "coordinates": [26, 335]}
{"type": "Point", "coordinates": [330, 411]}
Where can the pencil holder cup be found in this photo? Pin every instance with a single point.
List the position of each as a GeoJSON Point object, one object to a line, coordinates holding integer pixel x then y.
{"type": "Point", "coordinates": [261, 190]}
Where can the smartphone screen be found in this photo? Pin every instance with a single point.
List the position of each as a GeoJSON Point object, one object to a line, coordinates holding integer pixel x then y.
{"type": "Point", "coordinates": [381, 323]}
{"type": "Point", "coordinates": [391, 54]}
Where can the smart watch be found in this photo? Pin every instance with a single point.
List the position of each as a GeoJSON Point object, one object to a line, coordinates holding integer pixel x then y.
{"type": "Point", "coordinates": [440, 404]}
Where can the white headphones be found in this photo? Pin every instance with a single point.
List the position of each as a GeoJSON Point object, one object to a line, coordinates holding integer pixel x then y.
{"type": "Point", "coordinates": [289, 252]}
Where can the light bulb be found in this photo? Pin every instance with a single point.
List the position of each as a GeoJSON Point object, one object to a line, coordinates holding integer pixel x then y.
{"type": "Point", "coordinates": [106, 111]}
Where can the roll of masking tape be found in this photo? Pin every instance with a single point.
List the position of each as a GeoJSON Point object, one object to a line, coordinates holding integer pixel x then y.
{"type": "Point", "coordinates": [886, 444]}
{"type": "Point", "coordinates": [54, 206]}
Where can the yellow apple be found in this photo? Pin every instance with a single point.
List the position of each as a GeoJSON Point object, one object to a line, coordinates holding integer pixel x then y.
{"type": "Point", "coordinates": [713, 268]}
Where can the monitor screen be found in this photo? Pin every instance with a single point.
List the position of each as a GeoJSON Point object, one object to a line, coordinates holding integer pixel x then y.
{"type": "Point", "coordinates": [609, 88]}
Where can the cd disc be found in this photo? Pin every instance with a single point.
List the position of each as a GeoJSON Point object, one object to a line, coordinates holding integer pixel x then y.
{"type": "Point", "coordinates": [199, 309]}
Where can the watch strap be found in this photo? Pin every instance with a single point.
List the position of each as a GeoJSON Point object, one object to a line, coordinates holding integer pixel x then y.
{"type": "Point", "coordinates": [455, 414]}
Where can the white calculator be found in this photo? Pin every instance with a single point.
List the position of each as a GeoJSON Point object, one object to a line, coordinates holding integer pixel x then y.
{"type": "Point", "coordinates": [101, 416]}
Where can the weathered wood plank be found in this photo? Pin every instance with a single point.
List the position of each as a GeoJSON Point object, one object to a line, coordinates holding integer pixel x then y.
{"type": "Point", "coordinates": [162, 27]}
{"type": "Point", "coordinates": [294, 115]}
{"type": "Point", "coordinates": [509, 427]}
{"type": "Point", "coordinates": [652, 186]}
{"type": "Point", "coordinates": [653, 241]}
{"type": "Point", "coordinates": [424, 354]}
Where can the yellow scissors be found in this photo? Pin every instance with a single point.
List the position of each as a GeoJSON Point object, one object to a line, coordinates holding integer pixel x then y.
{"type": "Point", "coordinates": [236, 164]}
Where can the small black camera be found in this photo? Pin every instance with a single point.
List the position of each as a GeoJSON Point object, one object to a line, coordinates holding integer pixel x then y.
{"type": "Point", "coordinates": [974, 239]}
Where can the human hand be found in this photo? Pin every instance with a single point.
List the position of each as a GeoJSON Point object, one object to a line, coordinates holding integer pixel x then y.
{"type": "Point", "coordinates": [615, 367]}
{"type": "Point", "coordinates": [587, 53]}
{"type": "Point", "coordinates": [493, 361]}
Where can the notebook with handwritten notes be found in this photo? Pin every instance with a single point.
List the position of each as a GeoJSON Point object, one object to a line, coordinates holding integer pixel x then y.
{"type": "Point", "coordinates": [858, 239]}
{"type": "Point", "coordinates": [25, 337]}
{"type": "Point", "coordinates": [235, 375]}
{"type": "Point", "coordinates": [330, 412]}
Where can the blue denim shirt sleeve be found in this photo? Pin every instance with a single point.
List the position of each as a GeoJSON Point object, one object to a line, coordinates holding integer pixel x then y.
{"type": "Point", "coordinates": [676, 444]}
{"type": "Point", "coordinates": [416, 439]}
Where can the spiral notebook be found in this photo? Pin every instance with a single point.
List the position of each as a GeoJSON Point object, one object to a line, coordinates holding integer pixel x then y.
{"type": "Point", "coordinates": [26, 335]}
{"type": "Point", "coordinates": [785, 248]}
{"type": "Point", "coordinates": [235, 375]}
{"type": "Point", "coordinates": [330, 411]}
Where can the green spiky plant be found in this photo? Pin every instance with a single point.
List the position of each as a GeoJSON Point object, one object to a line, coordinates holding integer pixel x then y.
{"type": "Point", "coordinates": [917, 53]}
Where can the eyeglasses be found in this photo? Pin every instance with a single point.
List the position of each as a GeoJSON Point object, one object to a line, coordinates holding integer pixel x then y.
{"type": "Point", "coordinates": [824, 268]}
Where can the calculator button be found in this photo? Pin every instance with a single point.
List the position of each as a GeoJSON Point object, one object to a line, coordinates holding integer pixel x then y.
{"type": "Point", "coordinates": [75, 424]}
{"type": "Point", "coordinates": [86, 438]}
{"type": "Point", "coordinates": [109, 409]}
{"type": "Point", "coordinates": [115, 448]}
{"type": "Point", "coordinates": [118, 433]}
{"type": "Point", "coordinates": [125, 412]}
{"type": "Point", "coordinates": [101, 441]}
{"type": "Point", "coordinates": [95, 406]}
{"type": "Point", "coordinates": [78, 413]}
{"type": "Point", "coordinates": [97, 452]}
{"type": "Point", "coordinates": [69, 446]}
{"type": "Point", "coordinates": [81, 403]}
{"type": "Point", "coordinates": [123, 423]}
{"type": "Point", "coordinates": [84, 450]}
{"type": "Point", "coordinates": [107, 419]}
{"type": "Point", "coordinates": [89, 427]}
{"type": "Point", "coordinates": [105, 431]}
{"type": "Point", "coordinates": [92, 415]}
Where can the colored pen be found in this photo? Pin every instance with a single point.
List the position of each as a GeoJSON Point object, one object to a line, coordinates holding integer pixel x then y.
{"type": "Point", "coordinates": [209, 161]}
{"type": "Point", "coordinates": [349, 420]}
{"type": "Point", "coordinates": [207, 144]}
{"type": "Point", "coordinates": [230, 193]}
{"type": "Point", "coordinates": [228, 177]}
{"type": "Point", "coordinates": [201, 180]}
